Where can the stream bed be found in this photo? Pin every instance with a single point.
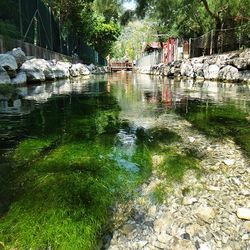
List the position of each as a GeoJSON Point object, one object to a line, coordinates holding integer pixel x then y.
{"type": "Point", "coordinates": [72, 150]}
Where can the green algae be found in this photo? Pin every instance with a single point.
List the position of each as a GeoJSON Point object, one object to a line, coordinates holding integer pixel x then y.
{"type": "Point", "coordinates": [157, 136]}
{"type": "Point", "coordinates": [30, 149]}
{"type": "Point", "coordinates": [7, 89]}
{"type": "Point", "coordinates": [66, 179]}
{"type": "Point", "coordinates": [221, 121]}
{"type": "Point", "coordinates": [171, 171]}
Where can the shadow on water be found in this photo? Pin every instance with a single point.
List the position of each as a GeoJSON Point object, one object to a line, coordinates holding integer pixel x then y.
{"type": "Point", "coordinates": [70, 149]}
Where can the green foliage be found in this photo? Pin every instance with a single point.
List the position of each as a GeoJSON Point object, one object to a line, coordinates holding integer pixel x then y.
{"type": "Point", "coordinates": [94, 22]}
{"type": "Point", "coordinates": [104, 35]}
{"type": "Point", "coordinates": [8, 29]}
{"type": "Point", "coordinates": [110, 9]}
{"type": "Point", "coordinates": [187, 18]}
{"type": "Point", "coordinates": [134, 37]}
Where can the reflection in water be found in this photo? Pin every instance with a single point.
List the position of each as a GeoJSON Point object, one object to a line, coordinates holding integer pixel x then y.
{"type": "Point", "coordinates": [141, 98]}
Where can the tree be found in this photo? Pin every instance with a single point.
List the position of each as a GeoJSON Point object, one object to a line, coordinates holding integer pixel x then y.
{"type": "Point", "coordinates": [110, 9]}
{"type": "Point", "coordinates": [104, 35]}
{"type": "Point", "coordinates": [91, 24]}
{"type": "Point", "coordinates": [194, 17]}
{"type": "Point", "coordinates": [133, 38]}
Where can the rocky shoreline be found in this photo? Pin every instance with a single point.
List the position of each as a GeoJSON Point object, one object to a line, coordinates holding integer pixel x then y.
{"type": "Point", "coordinates": [207, 212]}
{"type": "Point", "coordinates": [16, 68]}
{"type": "Point", "coordinates": [232, 67]}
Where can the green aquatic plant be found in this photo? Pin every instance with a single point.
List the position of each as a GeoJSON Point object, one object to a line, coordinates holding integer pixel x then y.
{"type": "Point", "coordinates": [7, 89]}
{"type": "Point", "coordinates": [66, 195]}
{"type": "Point", "coordinates": [159, 194]}
{"type": "Point", "coordinates": [30, 149]}
{"type": "Point", "coordinates": [221, 121]}
{"type": "Point", "coordinates": [68, 180]}
{"type": "Point", "coordinates": [155, 137]}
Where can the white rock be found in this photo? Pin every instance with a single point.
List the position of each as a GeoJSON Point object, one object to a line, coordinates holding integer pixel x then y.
{"type": "Point", "coordinates": [61, 70]}
{"type": "Point", "coordinates": [33, 71]}
{"type": "Point", "coordinates": [187, 69]}
{"type": "Point", "coordinates": [141, 244]}
{"type": "Point", "coordinates": [229, 73]}
{"type": "Point", "coordinates": [189, 201]}
{"type": "Point", "coordinates": [4, 77]}
{"type": "Point", "coordinates": [8, 62]}
{"type": "Point", "coordinates": [206, 213]}
{"type": "Point", "coordinates": [182, 245]}
{"type": "Point", "coordinates": [211, 71]}
{"type": "Point", "coordinates": [229, 162]}
{"type": "Point", "coordinates": [191, 139]}
{"type": "Point", "coordinates": [20, 78]}
{"type": "Point", "coordinates": [247, 226]}
{"type": "Point", "coordinates": [205, 246]}
{"type": "Point", "coordinates": [152, 211]}
{"type": "Point", "coordinates": [162, 224]}
{"type": "Point", "coordinates": [78, 69]}
{"type": "Point", "coordinates": [245, 237]}
{"type": "Point", "coordinates": [19, 55]}
{"type": "Point", "coordinates": [243, 213]}
{"type": "Point", "coordinates": [164, 238]}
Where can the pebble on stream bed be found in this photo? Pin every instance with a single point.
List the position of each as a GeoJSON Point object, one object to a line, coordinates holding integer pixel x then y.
{"type": "Point", "coordinates": [211, 212]}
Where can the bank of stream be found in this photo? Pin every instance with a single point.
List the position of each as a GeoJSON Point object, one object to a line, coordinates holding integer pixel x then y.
{"type": "Point", "coordinates": [118, 153]}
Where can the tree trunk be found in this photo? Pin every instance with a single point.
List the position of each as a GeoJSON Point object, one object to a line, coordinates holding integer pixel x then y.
{"type": "Point", "coordinates": [218, 24]}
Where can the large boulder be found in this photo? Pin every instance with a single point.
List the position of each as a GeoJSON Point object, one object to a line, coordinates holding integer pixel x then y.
{"type": "Point", "coordinates": [75, 70]}
{"type": "Point", "coordinates": [211, 72]}
{"type": "Point", "coordinates": [244, 76]}
{"type": "Point", "coordinates": [229, 73]}
{"type": "Point", "coordinates": [239, 63]}
{"type": "Point", "coordinates": [91, 67]}
{"type": "Point", "coordinates": [34, 71]}
{"type": "Point", "coordinates": [61, 69]}
{"type": "Point", "coordinates": [4, 77]}
{"type": "Point", "coordinates": [45, 67]}
{"type": "Point", "coordinates": [78, 69]}
{"type": "Point", "coordinates": [8, 62]}
{"type": "Point", "coordinates": [187, 69]}
{"type": "Point", "coordinates": [20, 78]}
{"type": "Point", "coordinates": [19, 55]}
{"type": "Point", "coordinates": [85, 71]}
{"type": "Point", "coordinates": [245, 54]}
{"type": "Point", "coordinates": [198, 70]}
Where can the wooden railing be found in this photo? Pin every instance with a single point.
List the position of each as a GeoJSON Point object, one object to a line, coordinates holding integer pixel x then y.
{"type": "Point", "coordinates": [119, 66]}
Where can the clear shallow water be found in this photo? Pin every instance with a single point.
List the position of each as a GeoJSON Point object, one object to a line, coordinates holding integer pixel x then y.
{"type": "Point", "coordinates": [75, 126]}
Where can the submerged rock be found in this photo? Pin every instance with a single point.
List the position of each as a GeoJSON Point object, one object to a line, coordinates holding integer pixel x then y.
{"type": "Point", "coordinates": [207, 214]}
{"type": "Point", "coordinates": [243, 213]}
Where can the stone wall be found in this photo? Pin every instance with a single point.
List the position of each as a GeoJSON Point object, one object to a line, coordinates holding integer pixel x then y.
{"type": "Point", "coordinates": [233, 67]}
{"type": "Point", "coordinates": [16, 68]}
